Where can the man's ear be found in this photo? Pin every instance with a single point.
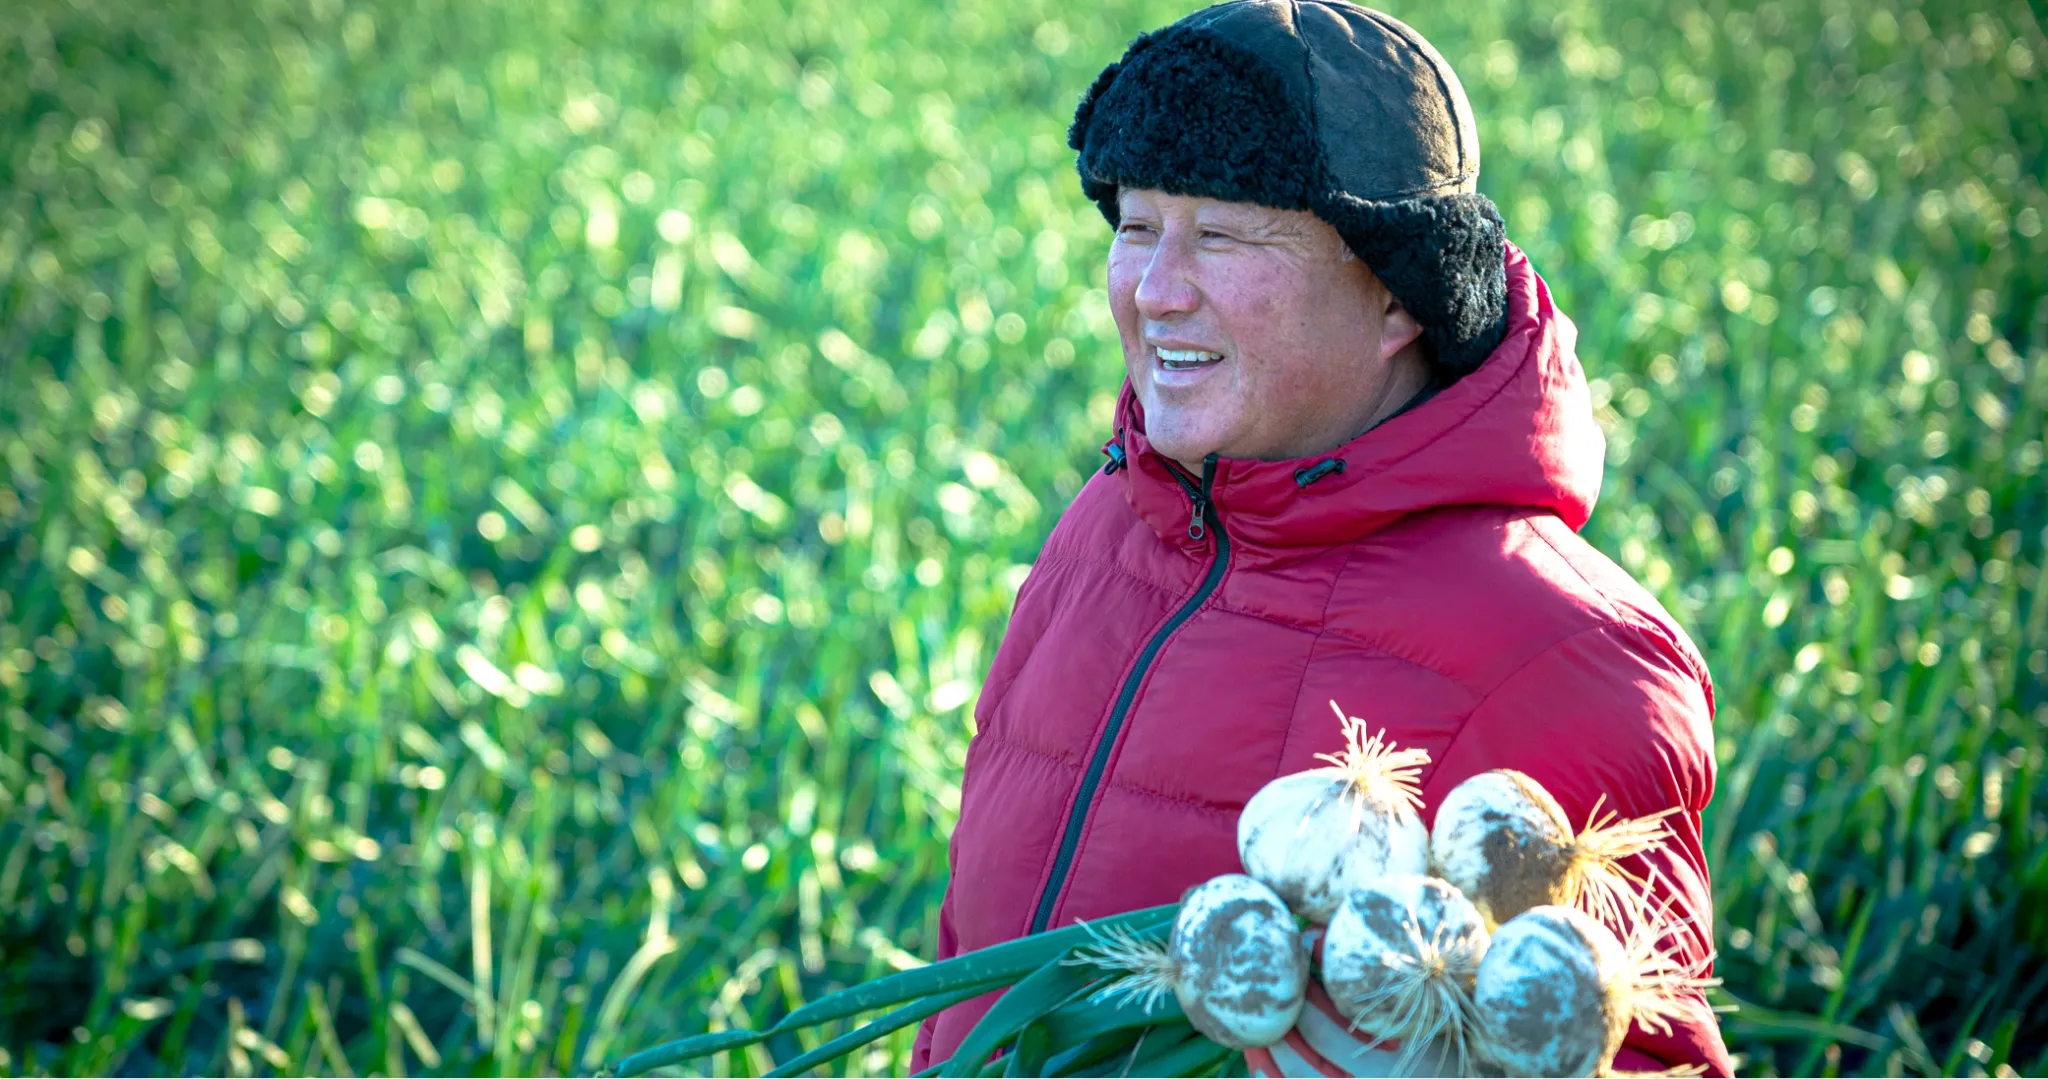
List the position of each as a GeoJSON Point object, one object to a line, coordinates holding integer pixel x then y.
{"type": "Point", "coordinates": [1399, 331]}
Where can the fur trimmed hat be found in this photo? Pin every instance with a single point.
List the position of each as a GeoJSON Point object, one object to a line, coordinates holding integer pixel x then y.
{"type": "Point", "coordinates": [1317, 105]}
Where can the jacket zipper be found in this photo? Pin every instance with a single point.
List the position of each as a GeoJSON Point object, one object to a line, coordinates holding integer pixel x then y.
{"type": "Point", "coordinates": [1202, 521]}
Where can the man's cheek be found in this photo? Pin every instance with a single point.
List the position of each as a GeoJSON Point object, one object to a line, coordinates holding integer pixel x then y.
{"type": "Point", "coordinates": [1122, 284]}
{"type": "Point", "coordinates": [1276, 300]}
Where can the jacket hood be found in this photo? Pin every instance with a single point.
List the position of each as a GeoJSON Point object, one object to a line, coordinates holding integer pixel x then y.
{"type": "Point", "coordinates": [1518, 431]}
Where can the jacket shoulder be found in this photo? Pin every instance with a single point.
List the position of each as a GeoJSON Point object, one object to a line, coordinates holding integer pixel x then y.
{"type": "Point", "coordinates": [1482, 591]}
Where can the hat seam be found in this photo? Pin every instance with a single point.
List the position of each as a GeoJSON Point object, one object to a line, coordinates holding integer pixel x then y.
{"type": "Point", "coordinates": [1325, 176]}
{"type": "Point", "coordinates": [1444, 88]}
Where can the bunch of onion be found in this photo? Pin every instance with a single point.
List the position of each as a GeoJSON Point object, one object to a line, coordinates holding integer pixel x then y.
{"type": "Point", "coordinates": [1557, 991]}
{"type": "Point", "coordinates": [1044, 1023]}
{"type": "Point", "coordinates": [1501, 839]}
{"type": "Point", "coordinates": [1316, 836]}
{"type": "Point", "coordinates": [1235, 962]}
{"type": "Point", "coordinates": [1399, 961]}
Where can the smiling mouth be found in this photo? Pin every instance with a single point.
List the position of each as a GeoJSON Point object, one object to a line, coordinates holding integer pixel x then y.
{"type": "Point", "coordinates": [1175, 359]}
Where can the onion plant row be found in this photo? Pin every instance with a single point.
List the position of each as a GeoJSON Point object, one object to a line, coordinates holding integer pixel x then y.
{"type": "Point", "coordinates": [508, 505]}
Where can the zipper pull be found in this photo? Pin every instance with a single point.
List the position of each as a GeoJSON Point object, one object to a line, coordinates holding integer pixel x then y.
{"type": "Point", "coordinates": [1305, 476]}
{"type": "Point", "coordinates": [1197, 527]}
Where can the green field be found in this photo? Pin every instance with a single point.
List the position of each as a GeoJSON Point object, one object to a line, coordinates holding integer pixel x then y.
{"type": "Point", "coordinates": [509, 502]}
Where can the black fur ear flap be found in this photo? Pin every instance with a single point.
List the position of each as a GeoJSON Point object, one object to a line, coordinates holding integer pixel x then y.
{"type": "Point", "coordinates": [1444, 257]}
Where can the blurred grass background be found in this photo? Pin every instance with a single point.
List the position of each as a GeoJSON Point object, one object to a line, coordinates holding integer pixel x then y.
{"type": "Point", "coordinates": [508, 503]}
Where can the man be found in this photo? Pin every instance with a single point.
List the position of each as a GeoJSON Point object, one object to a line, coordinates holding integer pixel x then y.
{"type": "Point", "coordinates": [1349, 464]}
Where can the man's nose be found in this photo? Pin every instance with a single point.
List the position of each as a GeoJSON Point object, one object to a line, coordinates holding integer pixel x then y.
{"type": "Point", "coordinates": [1167, 287]}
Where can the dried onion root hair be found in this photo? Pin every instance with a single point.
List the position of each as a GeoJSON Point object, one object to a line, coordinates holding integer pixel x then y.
{"type": "Point", "coordinates": [1141, 969]}
{"type": "Point", "coordinates": [1429, 999]}
{"type": "Point", "coordinates": [1375, 770]}
{"type": "Point", "coordinates": [1661, 980]}
{"type": "Point", "coordinates": [1595, 881]}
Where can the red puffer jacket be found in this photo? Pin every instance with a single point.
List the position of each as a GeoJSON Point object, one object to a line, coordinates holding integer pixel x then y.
{"type": "Point", "coordinates": [1179, 641]}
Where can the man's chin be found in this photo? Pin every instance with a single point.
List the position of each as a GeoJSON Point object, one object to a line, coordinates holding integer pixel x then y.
{"type": "Point", "coordinates": [1187, 449]}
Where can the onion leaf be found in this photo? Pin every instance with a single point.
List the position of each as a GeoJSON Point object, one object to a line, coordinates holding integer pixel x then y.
{"type": "Point", "coordinates": [1081, 1021]}
{"type": "Point", "coordinates": [986, 967]}
{"type": "Point", "coordinates": [682, 1049]}
{"type": "Point", "coordinates": [912, 1012]}
{"type": "Point", "coordinates": [1046, 989]}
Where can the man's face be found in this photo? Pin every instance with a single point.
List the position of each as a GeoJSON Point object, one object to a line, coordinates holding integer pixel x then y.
{"type": "Point", "coordinates": [1247, 331]}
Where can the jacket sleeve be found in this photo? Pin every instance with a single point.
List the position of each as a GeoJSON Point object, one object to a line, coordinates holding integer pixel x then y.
{"type": "Point", "coordinates": [1625, 712]}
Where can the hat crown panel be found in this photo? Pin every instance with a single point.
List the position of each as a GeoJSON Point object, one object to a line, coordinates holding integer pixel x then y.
{"type": "Point", "coordinates": [1391, 116]}
{"type": "Point", "coordinates": [1265, 29]}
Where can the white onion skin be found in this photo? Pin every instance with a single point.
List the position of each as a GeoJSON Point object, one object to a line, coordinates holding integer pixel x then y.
{"type": "Point", "coordinates": [1243, 970]}
{"type": "Point", "coordinates": [1296, 835]}
{"type": "Point", "coordinates": [1548, 994]}
{"type": "Point", "coordinates": [1501, 839]}
{"type": "Point", "coordinates": [1370, 933]}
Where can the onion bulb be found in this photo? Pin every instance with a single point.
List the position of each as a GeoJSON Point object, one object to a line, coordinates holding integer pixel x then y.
{"type": "Point", "coordinates": [1235, 962]}
{"type": "Point", "coordinates": [1505, 842]}
{"type": "Point", "coordinates": [1557, 991]}
{"type": "Point", "coordinates": [1399, 961]}
{"type": "Point", "coordinates": [1315, 836]}
{"type": "Point", "coordinates": [1543, 992]}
